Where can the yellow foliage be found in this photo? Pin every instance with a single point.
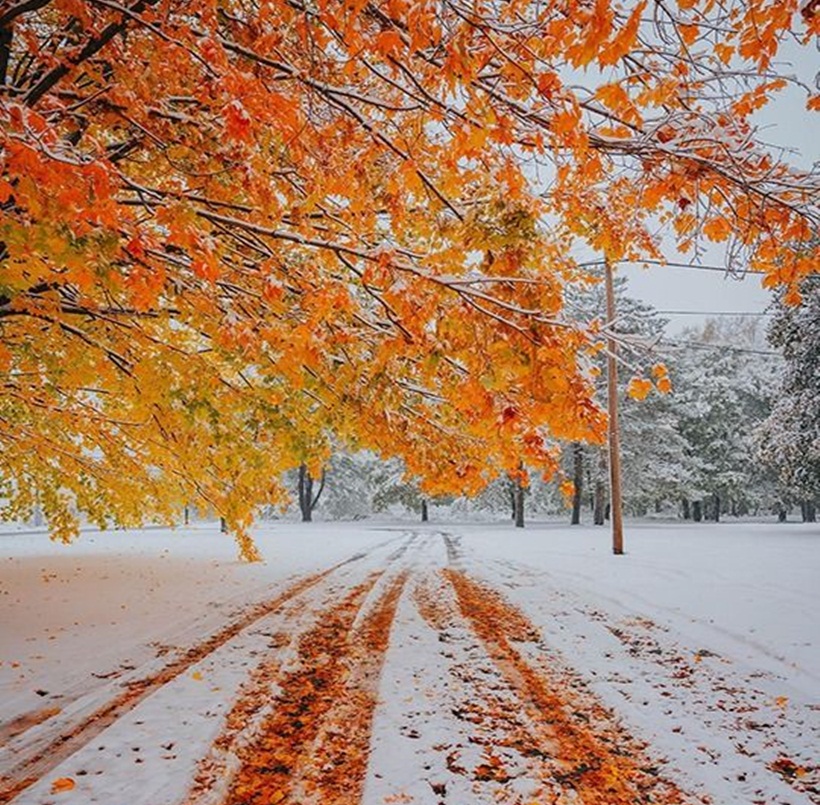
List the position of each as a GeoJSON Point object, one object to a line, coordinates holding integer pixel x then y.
{"type": "Point", "coordinates": [639, 388]}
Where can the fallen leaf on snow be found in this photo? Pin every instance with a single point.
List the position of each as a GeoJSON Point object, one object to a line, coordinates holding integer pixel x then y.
{"type": "Point", "coordinates": [787, 768]}
{"type": "Point", "coordinates": [62, 784]}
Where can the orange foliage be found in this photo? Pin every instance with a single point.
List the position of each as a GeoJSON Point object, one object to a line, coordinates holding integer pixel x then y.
{"type": "Point", "coordinates": [230, 236]}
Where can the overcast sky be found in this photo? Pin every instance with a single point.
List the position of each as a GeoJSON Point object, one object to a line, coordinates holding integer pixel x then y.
{"type": "Point", "coordinates": [784, 123]}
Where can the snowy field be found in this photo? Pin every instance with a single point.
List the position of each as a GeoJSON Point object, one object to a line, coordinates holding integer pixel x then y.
{"type": "Point", "coordinates": [396, 662]}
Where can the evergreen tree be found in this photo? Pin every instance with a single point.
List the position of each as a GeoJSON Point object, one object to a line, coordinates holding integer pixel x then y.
{"type": "Point", "coordinates": [725, 381]}
{"type": "Point", "coordinates": [789, 439]}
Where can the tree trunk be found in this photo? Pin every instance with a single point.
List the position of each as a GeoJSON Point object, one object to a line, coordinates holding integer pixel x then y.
{"type": "Point", "coordinates": [186, 516]}
{"type": "Point", "coordinates": [599, 505]}
{"type": "Point", "coordinates": [687, 509]}
{"type": "Point", "coordinates": [223, 525]}
{"type": "Point", "coordinates": [697, 510]}
{"type": "Point", "coordinates": [716, 510]}
{"type": "Point", "coordinates": [512, 500]}
{"type": "Point", "coordinates": [519, 505]}
{"type": "Point", "coordinates": [424, 514]}
{"type": "Point", "coordinates": [307, 500]}
{"type": "Point", "coordinates": [577, 479]}
{"type": "Point", "coordinates": [808, 511]}
{"type": "Point", "coordinates": [305, 494]}
{"type": "Point", "coordinates": [316, 497]}
{"type": "Point", "coordinates": [781, 513]}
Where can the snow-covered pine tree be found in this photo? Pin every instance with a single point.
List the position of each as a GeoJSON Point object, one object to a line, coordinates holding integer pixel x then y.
{"type": "Point", "coordinates": [789, 439]}
{"type": "Point", "coordinates": [724, 388]}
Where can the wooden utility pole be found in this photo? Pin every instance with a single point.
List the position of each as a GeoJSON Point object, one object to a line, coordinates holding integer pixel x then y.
{"type": "Point", "coordinates": [612, 410]}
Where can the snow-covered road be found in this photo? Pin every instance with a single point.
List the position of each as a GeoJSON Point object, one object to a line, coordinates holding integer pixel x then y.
{"type": "Point", "coordinates": [398, 663]}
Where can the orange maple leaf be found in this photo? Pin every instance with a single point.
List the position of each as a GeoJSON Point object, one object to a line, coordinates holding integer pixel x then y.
{"type": "Point", "coordinates": [62, 784]}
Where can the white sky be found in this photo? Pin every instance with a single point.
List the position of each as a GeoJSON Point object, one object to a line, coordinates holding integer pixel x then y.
{"type": "Point", "coordinates": [785, 123]}
{"type": "Point", "coordinates": [668, 288]}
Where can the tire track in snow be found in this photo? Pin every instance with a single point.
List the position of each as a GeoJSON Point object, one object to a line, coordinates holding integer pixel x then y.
{"type": "Point", "coordinates": [729, 722]}
{"type": "Point", "coordinates": [591, 756]}
{"type": "Point", "coordinates": [302, 734]}
{"type": "Point", "coordinates": [469, 719]}
{"type": "Point", "coordinates": [24, 760]}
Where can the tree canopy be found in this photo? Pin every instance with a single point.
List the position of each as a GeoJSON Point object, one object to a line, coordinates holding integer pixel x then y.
{"type": "Point", "coordinates": [231, 228]}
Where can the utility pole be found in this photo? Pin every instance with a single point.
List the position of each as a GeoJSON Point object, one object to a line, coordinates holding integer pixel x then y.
{"type": "Point", "coordinates": [612, 410]}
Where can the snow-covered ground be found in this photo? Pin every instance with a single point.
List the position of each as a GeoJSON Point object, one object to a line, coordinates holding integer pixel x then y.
{"type": "Point", "coordinates": [394, 662]}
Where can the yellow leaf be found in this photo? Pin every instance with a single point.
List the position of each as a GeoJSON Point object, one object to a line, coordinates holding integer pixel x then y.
{"type": "Point", "coordinates": [5, 358]}
{"type": "Point", "coordinates": [661, 375]}
{"type": "Point", "coordinates": [613, 96]}
{"type": "Point", "coordinates": [6, 191]}
{"type": "Point", "coordinates": [639, 388]}
{"type": "Point", "coordinates": [689, 33]}
{"type": "Point", "coordinates": [724, 52]}
{"type": "Point", "coordinates": [389, 42]}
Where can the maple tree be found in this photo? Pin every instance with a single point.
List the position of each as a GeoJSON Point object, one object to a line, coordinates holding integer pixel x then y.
{"type": "Point", "coordinates": [231, 229]}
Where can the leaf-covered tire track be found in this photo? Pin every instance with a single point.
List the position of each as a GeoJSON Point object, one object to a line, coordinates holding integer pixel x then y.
{"type": "Point", "coordinates": [312, 743]}
{"type": "Point", "coordinates": [43, 756]}
{"type": "Point", "coordinates": [598, 760]}
{"type": "Point", "coordinates": [24, 722]}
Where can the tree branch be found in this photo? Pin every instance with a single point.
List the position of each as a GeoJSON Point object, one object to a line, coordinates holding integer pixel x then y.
{"type": "Point", "coordinates": [20, 9]}
{"type": "Point", "coordinates": [92, 47]}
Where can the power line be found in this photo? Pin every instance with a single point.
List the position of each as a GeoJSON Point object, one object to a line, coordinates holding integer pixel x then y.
{"type": "Point", "coordinates": [736, 273]}
{"type": "Point", "coordinates": [732, 272]}
{"type": "Point", "coordinates": [724, 347]}
{"type": "Point", "coordinates": [716, 312]}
